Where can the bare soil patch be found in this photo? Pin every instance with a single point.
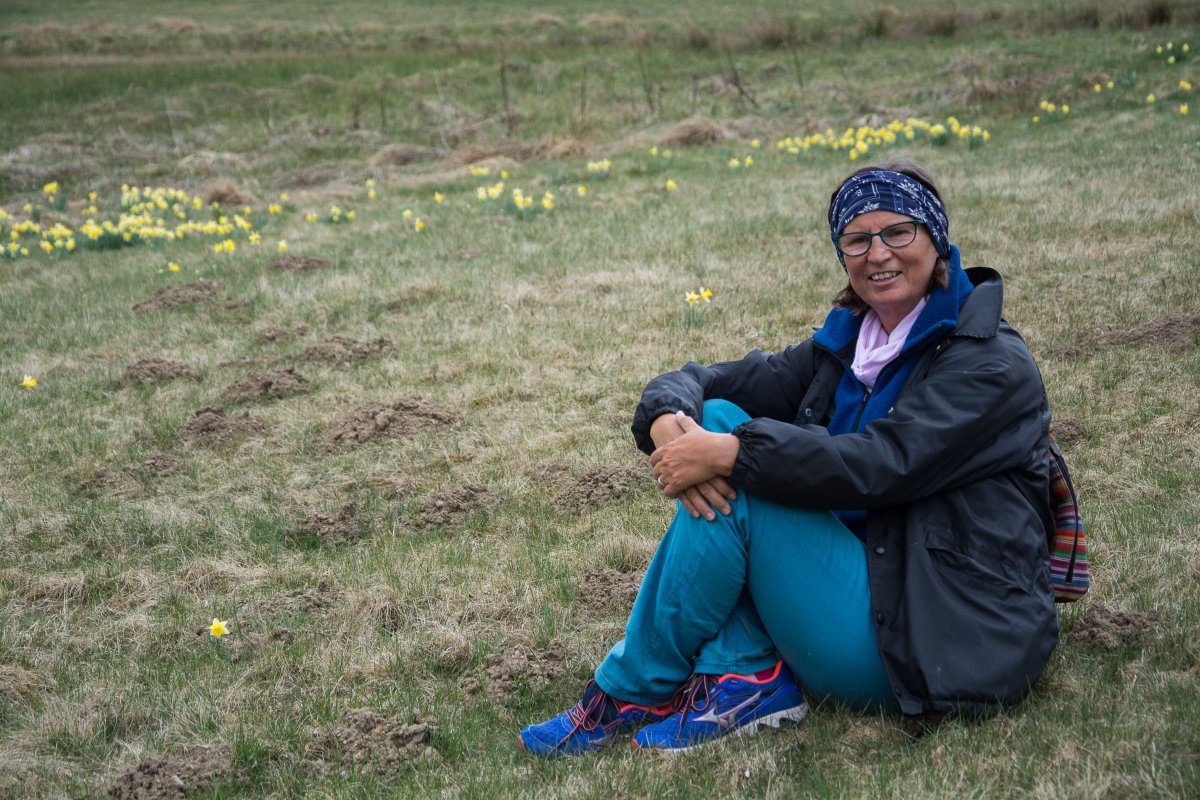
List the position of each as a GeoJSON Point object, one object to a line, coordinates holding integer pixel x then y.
{"type": "Point", "coordinates": [298, 264]}
{"type": "Point", "coordinates": [385, 745]}
{"type": "Point", "coordinates": [187, 294]}
{"type": "Point", "coordinates": [1110, 629]}
{"type": "Point", "coordinates": [157, 370]}
{"type": "Point", "coordinates": [297, 601]}
{"type": "Point", "coordinates": [162, 777]}
{"type": "Point", "coordinates": [447, 507]}
{"type": "Point", "coordinates": [344, 350]}
{"type": "Point", "coordinates": [379, 421]}
{"type": "Point", "coordinates": [348, 526]}
{"type": "Point", "coordinates": [503, 673]}
{"type": "Point", "coordinates": [1067, 430]}
{"type": "Point", "coordinates": [265, 385]}
{"type": "Point", "coordinates": [159, 465]}
{"type": "Point", "coordinates": [225, 193]}
{"type": "Point", "coordinates": [280, 333]}
{"type": "Point", "coordinates": [1176, 332]}
{"type": "Point", "coordinates": [600, 486]}
{"type": "Point", "coordinates": [212, 427]}
{"type": "Point", "coordinates": [610, 589]}
{"type": "Point", "coordinates": [1173, 332]}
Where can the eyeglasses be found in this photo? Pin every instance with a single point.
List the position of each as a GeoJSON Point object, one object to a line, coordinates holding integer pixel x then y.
{"type": "Point", "coordinates": [899, 235]}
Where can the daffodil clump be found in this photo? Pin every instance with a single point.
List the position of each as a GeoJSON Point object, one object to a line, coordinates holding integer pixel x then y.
{"type": "Point", "coordinates": [697, 302]}
{"type": "Point", "coordinates": [601, 168]}
{"type": "Point", "coordinates": [1172, 54]}
{"type": "Point", "coordinates": [335, 216]}
{"type": "Point", "coordinates": [736, 163]}
{"type": "Point", "coordinates": [858, 142]}
{"type": "Point", "coordinates": [145, 215]}
{"type": "Point", "coordinates": [523, 206]}
{"type": "Point", "coordinates": [1050, 112]}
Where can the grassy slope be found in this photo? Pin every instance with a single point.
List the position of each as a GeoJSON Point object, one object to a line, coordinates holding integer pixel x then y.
{"type": "Point", "coordinates": [542, 337]}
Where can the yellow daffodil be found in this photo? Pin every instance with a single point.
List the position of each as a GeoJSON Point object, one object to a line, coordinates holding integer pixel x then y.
{"type": "Point", "coordinates": [281, 246]}
{"type": "Point", "coordinates": [706, 294]}
{"type": "Point", "coordinates": [1171, 60]}
{"type": "Point", "coordinates": [734, 163]}
{"type": "Point", "coordinates": [370, 194]}
{"type": "Point", "coordinates": [173, 266]}
{"type": "Point", "coordinates": [255, 239]}
{"type": "Point", "coordinates": [748, 162]}
{"type": "Point", "coordinates": [274, 208]}
{"type": "Point", "coordinates": [419, 225]}
{"type": "Point", "coordinates": [28, 382]}
{"type": "Point", "coordinates": [1150, 98]}
{"type": "Point", "coordinates": [218, 628]}
{"type": "Point", "coordinates": [406, 213]}
{"type": "Point", "coordinates": [1109, 85]}
{"type": "Point", "coordinates": [1185, 86]}
{"type": "Point", "coordinates": [1183, 109]}
{"type": "Point", "coordinates": [671, 185]}
{"type": "Point", "coordinates": [310, 217]}
{"type": "Point", "coordinates": [283, 197]}
{"type": "Point", "coordinates": [692, 298]}
{"type": "Point", "coordinates": [352, 215]}
{"type": "Point", "coordinates": [1097, 88]}
{"type": "Point", "coordinates": [370, 183]}
{"type": "Point", "coordinates": [51, 188]}
{"type": "Point", "coordinates": [438, 198]}
{"type": "Point", "coordinates": [755, 143]}
{"type": "Point", "coordinates": [581, 190]}
{"type": "Point", "coordinates": [91, 196]}
{"type": "Point", "coordinates": [654, 151]}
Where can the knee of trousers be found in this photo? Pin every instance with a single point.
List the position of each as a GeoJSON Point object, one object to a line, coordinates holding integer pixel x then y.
{"type": "Point", "coordinates": [722, 416]}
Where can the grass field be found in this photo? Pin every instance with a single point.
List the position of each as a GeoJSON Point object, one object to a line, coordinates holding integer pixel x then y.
{"type": "Point", "coordinates": [419, 512]}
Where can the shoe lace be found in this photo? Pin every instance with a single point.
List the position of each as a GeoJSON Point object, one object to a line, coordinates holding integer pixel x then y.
{"type": "Point", "coordinates": [588, 714]}
{"type": "Point", "coordinates": [694, 695]}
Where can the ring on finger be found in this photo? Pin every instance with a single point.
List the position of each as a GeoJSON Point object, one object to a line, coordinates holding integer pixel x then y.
{"type": "Point", "coordinates": [659, 481]}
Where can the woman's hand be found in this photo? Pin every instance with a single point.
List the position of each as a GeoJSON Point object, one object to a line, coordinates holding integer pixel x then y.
{"type": "Point", "coordinates": [691, 464]}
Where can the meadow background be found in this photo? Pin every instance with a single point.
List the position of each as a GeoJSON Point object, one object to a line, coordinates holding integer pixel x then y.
{"type": "Point", "coordinates": [419, 512]}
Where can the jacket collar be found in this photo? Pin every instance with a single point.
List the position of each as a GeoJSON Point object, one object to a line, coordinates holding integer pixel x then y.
{"type": "Point", "coordinates": [955, 307]}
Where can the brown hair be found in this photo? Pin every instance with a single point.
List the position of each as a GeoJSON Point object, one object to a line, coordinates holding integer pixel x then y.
{"type": "Point", "coordinates": [847, 297]}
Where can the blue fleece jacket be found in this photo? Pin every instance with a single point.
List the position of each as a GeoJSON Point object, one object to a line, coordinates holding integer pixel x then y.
{"type": "Point", "coordinates": [854, 405]}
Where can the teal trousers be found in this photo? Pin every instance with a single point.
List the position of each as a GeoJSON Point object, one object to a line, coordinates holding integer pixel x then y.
{"type": "Point", "coordinates": [738, 593]}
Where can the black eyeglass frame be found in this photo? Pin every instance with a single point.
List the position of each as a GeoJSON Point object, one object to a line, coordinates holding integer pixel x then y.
{"type": "Point", "coordinates": [883, 234]}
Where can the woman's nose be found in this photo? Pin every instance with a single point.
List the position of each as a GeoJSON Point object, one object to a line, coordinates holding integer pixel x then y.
{"type": "Point", "coordinates": [879, 250]}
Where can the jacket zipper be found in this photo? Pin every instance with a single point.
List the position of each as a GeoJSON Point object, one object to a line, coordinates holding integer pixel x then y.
{"type": "Point", "coordinates": [861, 409]}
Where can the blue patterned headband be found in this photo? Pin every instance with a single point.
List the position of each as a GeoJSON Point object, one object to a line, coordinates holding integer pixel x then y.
{"type": "Point", "coordinates": [889, 191]}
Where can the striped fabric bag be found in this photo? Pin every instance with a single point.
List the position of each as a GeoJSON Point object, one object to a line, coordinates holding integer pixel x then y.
{"type": "Point", "coordinates": [1068, 547]}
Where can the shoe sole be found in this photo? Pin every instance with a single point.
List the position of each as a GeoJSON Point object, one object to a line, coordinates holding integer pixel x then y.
{"type": "Point", "coordinates": [776, 720]}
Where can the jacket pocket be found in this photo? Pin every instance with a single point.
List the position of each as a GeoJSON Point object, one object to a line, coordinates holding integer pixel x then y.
{"type": "Point", "coordinates": [967, 569]}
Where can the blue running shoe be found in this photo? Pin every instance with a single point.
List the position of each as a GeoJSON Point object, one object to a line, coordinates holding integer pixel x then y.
{"type": "Point", "coordinates": [711, 706]}
{"type": "Point", "coordinates": [589, 725]}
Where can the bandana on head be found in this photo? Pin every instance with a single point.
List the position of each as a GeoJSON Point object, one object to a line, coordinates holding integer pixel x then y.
{"type": "Point", "coordinates": [889, 191]}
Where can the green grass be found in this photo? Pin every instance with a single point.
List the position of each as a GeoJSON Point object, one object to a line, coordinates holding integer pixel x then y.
{"type": "Point", "coordinates": [542, 333]}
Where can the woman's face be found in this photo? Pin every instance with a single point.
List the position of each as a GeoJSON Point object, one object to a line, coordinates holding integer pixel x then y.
{"type": "Point", "coordinates": [891, 280]}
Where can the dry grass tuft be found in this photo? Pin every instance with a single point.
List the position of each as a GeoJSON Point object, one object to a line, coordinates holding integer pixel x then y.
{"type": "Point", "coordinates": [694, 131]}
{"type": "Point", "coordinates": [18, 685]}
{"type": "Point", "coordinates": [225, 193]}
{"type": "Point", "coordinates": [547, 20]}
{"type": "Point", "coordinates": [604, 21]}
{"type": "Point", "coordinates": [57, 590]}
{"type": "Point", "coordinates": [402, 154]}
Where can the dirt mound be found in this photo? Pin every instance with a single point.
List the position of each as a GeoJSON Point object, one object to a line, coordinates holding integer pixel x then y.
{"type": "Point", "coordinates": [298, 264]}
{"type": "Point", "coordinates": [604, 485]}
{"type": "Point", "coordinates": [348, 526]}
{"type": "Point", "coordinates": [211, 427]}
{"type": "Point", "coordinates": [1067, 430]}
{"type": "Point", "coordinates": [159, 465]}
{"type": "Point", "coordinates": [447, 507]}
{"type": "Point", "coordinates": [187, 294]}
{"type": "Point", "coordinates": [279, 333]}
{"type": "Point", "coordinates": [694, 131]}
{"type": "Point", "coordinates": [386, 745]}
{"type": "Point", "coordinates": [156, 370]}
{"type": "Point", "coordinates": [1174, 332]}
{"type": "Point", "coordinates": [503, 673]}
{"type": "Point", "coordinates": [344, 350]}
{"type": "Point", "coordinates": [297, 601]}
{"type": "Point", "coordinates": [378, 421]}
{"type": "Point", "coordinates": [1110, 629]}
{"type": "Point", "coordinates": [252, 643]}
{"type": "Point", "coordinates": [610, 589]}
{"type": "Point", "coordinates": [401, 154]}
{"type": "Point", "coordinates": [269, 385]}
{"type": "Point", "coordinates": [184, 775]}
{"type": "Point", "coordinates": [225, 193]}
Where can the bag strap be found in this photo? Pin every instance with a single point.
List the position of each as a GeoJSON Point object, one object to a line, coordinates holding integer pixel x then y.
{"type": "Point", "coordinates": [1057, 461]}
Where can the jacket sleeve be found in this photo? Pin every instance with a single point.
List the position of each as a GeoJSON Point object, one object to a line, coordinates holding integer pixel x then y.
{"type": "Point", "coordinates": [763, 385]}
{"type": "Point", "coordinates": [980, 410]}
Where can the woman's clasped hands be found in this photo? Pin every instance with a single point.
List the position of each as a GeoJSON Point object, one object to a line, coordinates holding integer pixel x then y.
{"type": "Point", "coordinates": [692, 464]}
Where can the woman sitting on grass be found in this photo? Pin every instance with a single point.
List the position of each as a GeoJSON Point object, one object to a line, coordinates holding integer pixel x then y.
{"type": "Point", "coordinates": [866, 511]}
